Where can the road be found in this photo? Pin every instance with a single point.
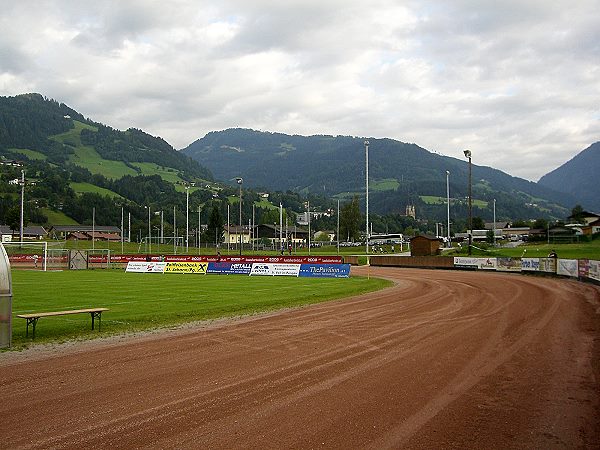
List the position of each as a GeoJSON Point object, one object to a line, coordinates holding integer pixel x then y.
{"type": "Point", "coordinates": [443, 359]}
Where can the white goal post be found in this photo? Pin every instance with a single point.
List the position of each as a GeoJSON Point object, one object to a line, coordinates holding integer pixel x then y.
{"type": "Point", "coordinates": [27, 254]}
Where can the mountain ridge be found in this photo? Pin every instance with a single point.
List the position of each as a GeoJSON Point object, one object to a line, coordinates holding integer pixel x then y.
{"type": "Point", "coordinates": [334, 166]}
{"type": "Point", "coordinates": [578, 177]}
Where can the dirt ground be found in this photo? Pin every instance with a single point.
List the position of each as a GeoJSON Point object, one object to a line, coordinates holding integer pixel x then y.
{"type": "Point", "coordinates": [444, 359]}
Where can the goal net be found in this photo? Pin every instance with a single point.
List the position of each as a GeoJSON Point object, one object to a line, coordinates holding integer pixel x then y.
{"type": "Point", "coordinates": [27, 255]}
{"type": "Point", "coordinates": [98, 258]}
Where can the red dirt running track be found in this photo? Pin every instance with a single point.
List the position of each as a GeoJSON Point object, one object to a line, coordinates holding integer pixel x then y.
{"type": "Point", "coordinates": [443, 359]}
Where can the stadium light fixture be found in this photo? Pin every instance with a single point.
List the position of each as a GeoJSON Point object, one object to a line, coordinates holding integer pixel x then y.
{"type": "Point", "coordinates": [470, 222]}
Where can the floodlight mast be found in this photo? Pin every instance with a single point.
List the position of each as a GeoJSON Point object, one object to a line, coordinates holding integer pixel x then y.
{"type": "Point", "coordinates": [470, 224]}
{"type": "Point", "coordinates": [239, 181]}
{"type": "Point", "coordinates": [448, 207]}
{"type": "Point", "coordinates": [366, 143]}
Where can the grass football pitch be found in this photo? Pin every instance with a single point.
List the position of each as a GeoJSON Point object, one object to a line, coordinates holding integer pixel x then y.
{"type": "Point", "coordinates": [145, 301]}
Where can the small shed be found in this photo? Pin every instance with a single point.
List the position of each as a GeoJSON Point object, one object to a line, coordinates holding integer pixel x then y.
{"type": "Point", "coordinates": [424, 245]}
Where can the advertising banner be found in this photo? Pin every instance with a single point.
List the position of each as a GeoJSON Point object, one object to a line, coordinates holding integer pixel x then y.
{"type": "Point", "coordinates": [567, 267]}
{"type": "Point", "coordinates": [594, 271]}
{"type": "Point", "coordinates": [530, 264]}
{"type": "Point", "coordinates": [509, 264]}
{"type": "Point", "coordinates": [461, 261]}
{"type": "Point", "coordinates": [229, 268]}
{"type": "Point", "coordinates": [232, 259]}
{"type": "Point", "coordinates": [583, 268]}
{"type": "Point", "coordinates": [145, 267]}
{"type": "Point", "coordinates": [325, 270]}
{"type": "Point", "coordinates": [186, 267]}
{"type": "Point", "coordinates": [548, 265]}
{"type": "Point", "coordinates": [261, 269]}
{"type": "Point", "coordinates": [479, 263]}
{"type": "Point", "coordinates": [488, 263]}
{"type": "Point", "coordinates": [289, 270]}
{"type": "Point", "coordinates": [286, 270]}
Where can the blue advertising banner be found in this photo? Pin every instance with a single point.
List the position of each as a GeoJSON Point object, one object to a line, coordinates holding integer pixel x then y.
{"type": "Point", "coordinates": [325, 270]}
{"type": "Point", "coordinates": [229, 268]}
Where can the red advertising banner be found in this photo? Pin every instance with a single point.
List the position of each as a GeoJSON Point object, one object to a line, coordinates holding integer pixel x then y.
{"type": "Point", "coordinates": [214, 258]}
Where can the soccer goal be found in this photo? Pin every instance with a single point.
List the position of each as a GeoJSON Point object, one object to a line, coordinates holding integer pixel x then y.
{"type": "Point", "coordinates": [27, 255]}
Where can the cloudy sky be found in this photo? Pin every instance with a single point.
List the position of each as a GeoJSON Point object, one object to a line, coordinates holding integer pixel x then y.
{"type": "Point", "coordinates": [515, 81]}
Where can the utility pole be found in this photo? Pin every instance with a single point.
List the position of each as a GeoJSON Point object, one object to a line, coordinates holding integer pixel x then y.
{"type": "Point", "coordinates": [448, 206]}
{"type": "Point", "coordinates": [240, 180]}
{"type": "Point", "coordinates": [367, 197]}
{"type": "Point", "coordinates": [187, 218]}
{"type": "Point", "coordinates": [22, 204]}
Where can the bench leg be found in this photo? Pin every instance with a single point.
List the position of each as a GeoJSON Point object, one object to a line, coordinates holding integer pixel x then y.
{"type": "Point", "coordinates": [33, 322]}
{"type": "Point", "coordinates": [97, 314]}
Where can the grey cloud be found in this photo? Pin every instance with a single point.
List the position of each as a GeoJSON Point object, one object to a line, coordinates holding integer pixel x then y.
{"type": "Point", "coordinates": [515, 81]}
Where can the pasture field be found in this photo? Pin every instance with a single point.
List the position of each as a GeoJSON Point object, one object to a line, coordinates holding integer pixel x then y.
{"type": "Point", "coordinates": [145, 301]}
{"type": "Point", "coordinates": [31, 154]}
{"type": "Point", "coordinates": [82, 188]}
{"type": "Point", "coordinates": [57, 217]}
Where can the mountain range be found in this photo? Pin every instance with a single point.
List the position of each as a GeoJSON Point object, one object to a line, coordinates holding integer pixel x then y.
{"type": "Point", "coordinates": [579, 177]}
{"type": "Point", "coordinates": [74, 163]}
{"type": "Point", "coordinates": [400, 174]}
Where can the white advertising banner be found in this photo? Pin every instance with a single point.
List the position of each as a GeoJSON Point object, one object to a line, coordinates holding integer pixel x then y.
{"type": "Point", "coordinates": [286, 270]}
{"type": "Point", "coordinates": [461, 261]}
{"type": "Point", "coordinates": [145, 267]}
{"type": "Point", "coordinates": [480, 263]}
{"type": "Point", "coordinates": [488, 263]}
{"type": "Point", "coordinates": [289, 270]}
{"type": "Point", "coordinates": [530, 264]}
{"type": "Point", "coordinates": [567, 267]}
{"type": "Point", "coordinates": [261, 269]}
{"type": "Point", "coordinates": [594, 272]}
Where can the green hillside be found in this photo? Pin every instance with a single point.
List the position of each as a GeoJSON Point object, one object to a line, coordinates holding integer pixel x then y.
{"type": "Point", "coordinates": [74, 166]}
{"type": "Point", "coordinates": [578, 177]}
{"type": "Point", "coordinates": [82, 188]}
{"type": "Point", "coordinates": [400, 174]}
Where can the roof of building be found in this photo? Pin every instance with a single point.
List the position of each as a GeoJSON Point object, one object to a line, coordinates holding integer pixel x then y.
{"type": "Point", "coordinates": [85, 228]}
{"type": "Point", "coordinates": [499, 225]}
{"type": "Point", "coordinates": [33, 230]}
{"type": "Point", "coordinates": [584, 214]}
{"type": "Point", "coordinates": [429, 237]}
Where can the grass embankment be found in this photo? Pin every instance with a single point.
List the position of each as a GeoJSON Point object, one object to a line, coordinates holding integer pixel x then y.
{"type": "Point", "coordinates": [145, 301]}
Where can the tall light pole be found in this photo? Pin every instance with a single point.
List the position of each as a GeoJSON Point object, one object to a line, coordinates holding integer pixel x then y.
{"type": "Point", "coordinates": [93, 226]}
{"type": "Point", "coordinates": [187, 218]}
{"type": "Point", "coordinates": [448, 206]}
{"type": "Point", "coordinates": [22, 183]}
{"type": "Point", "coordinates": [494, 222]}
{"type": "Point", "coordinates": [149, 232]}
{"type": "Point", "coordinates": [239, 181]}
{"type": "Point", "coordinates": [162, 228]}
{"type": "Point", "coordinates": [174, 230]}
{"type": "Point", "coordinates": [199, 230]}
{"type": "Point", "coordinates": [308, 212]}
{"type": "Point", "coordinates": [367, 196]}
{"type": "Point", "coordinates": [121, 229]}
{"type": "Point", "coordinates": [228, 230]}
{"type": "Point", "coordinates": [337, 235]}
{"type": "Point", "coordinates": [470, 223]}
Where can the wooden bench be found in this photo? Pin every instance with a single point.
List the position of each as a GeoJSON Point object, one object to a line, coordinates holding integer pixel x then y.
{"type": "Point", "coordinates": [34, 317]}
